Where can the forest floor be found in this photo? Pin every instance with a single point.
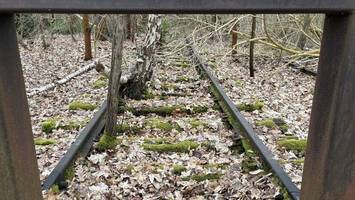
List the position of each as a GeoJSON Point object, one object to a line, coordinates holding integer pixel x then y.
{"type": "Point", "coordinates": [151, 160]}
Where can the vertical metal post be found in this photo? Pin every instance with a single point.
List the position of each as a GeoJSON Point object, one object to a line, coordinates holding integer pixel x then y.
{"type": "Point", "coordinates": [19, 177]}
{"type": "Point", "coordinates": [330, 158]}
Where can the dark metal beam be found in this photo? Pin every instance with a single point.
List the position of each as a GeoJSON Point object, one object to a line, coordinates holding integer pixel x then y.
{"type": "Point", "coordinates": [177, 6]}
{"type": "Point", "coordinates": [330, 158]}
{"type": "Point", "coordinates": [19, 177]}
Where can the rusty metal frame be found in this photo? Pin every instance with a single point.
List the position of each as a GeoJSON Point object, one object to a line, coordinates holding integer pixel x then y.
{"type": "Point", "coordinates": [329, 167]}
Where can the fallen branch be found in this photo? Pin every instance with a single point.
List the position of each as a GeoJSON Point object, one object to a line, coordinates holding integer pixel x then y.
{"type": "Point", "coordinates": [66, 78]}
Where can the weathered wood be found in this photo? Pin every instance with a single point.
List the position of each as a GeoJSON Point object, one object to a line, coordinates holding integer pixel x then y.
{"type": "Point", "coordinates": [329, 172]}
{"type": "Point", "coordinates": [115, 76]}
{"type": "Point", "coordinates": [177, 6]}
{"type": "Point", "coordinates": [19, 176]}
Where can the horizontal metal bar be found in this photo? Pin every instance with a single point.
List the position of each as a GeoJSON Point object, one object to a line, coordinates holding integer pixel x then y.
{"type": "Point", "coordinates": [177, 6]}
{"type": "Point", "coordinates": [80, 147]}
{"type": "Point", "coordinates": [247, 131]}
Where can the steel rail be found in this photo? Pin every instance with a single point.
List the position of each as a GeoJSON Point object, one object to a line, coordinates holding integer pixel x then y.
{"type": "Point", "coordinates": [80, 147]}
{"type": "Point", "coordinates": [177, 6]}
{"type": "Point", "coordinates": [245, 128]}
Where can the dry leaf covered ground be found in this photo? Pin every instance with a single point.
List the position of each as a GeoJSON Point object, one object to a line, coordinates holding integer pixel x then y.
{"type": "Point", "coordinates": [187, 152]}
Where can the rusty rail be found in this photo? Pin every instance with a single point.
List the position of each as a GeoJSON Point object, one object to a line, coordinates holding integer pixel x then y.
{"type": "Point", "coordinates": [245, 128]}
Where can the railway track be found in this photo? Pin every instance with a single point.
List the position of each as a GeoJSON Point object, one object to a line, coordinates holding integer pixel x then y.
{"type": "Point", "coordinates": [82, 145]}
{"type": "Point", "coordinates": [242, 126]}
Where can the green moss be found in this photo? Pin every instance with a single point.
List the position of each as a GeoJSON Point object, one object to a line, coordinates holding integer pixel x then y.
{"type": "Point", "coordinates": [157, 140]}
{"type": "Point", "coordinates": [281, 124]}
{"type": "Point", "coordinates": [295, 162]}
{"type": "Point", "coordinates": [216, 166]}
{"type": "Point", "coordinates": [148, 94]}
{"type": "Point", "coordinates": [162, 110]}
{"type": "Point", "coordinates": [78, 105]}
{"type": "Point", "coordinates": [43, 142]}
{"type": "Point", "coordinates": [238, 83]}
{"type": "Point", "coordinates": [293, 145]}
{"type": "Point", "coordinates": [130, 168]}
{"type": "Point", "coordinates": [55, 189]}
{"type": "Point", "coordinates": [125, 128]}
{"type": "Point", "coordinates": [169, 86]}
{"type": "Point", "coordinates": [178, 169]}
{"type": "Point", "coordinates": [195, 123]}
{"type": "Point", "coordinates": [249, 164]}
{"type": "Point", "coordinates": [199, 109]}
{"type": "Point", "coordinates": [74, 125]}
{"type": "Point", "coordinates": [183, 64]}
{"type": "Point", "coordinates": [100, 82]}
{"type": "Point", "coordinates": [250, 107]}
{"type": "Point", "coordinates": [284, 128]}
{"type": "Point", "coordinates": [49, 125]}
{"type": "Point", "coordinates": [182, 79]}
{"type": "Point", "coordinates": [269, 123]}
{"type": "Point", "coordinates": [107, 141]}
{"type": "Point", "coordinates": [181, 147]}
{"type": "Point", "coordinates": [69, 173]}
{"type": "Point", "coordinates": [161, 124]}
{"type": "Point", "coordinates": [203, 177]}
{"type": "Point", "coordinates": [248, 149]}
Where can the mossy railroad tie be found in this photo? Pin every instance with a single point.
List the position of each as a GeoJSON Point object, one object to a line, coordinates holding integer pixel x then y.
{"type": "Point", "coordinates": [162, 145]}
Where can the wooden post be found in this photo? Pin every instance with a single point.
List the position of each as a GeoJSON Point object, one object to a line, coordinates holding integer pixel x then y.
{"type": "Point", "coordinates": [115, 76]}
{"type": "Point", "coordinates": [329, 172]}
{"type": "Point", "coordinates": [19, 176]}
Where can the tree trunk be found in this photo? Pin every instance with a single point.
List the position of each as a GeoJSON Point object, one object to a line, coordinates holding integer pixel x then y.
{"type": "Point", "coordinates": [251, 50]}
{"type": "Point", "coordinates": [101, 29]}
{"type": "Point", "coordinates": [234, 40]}
{"type": "Point", "coordinates": [143, 69]}
{"type": "Point", "coordinates": [115, 76]}
{"type": "Point", "coordinates": [303, 37]}
{"type": "Point", "coordinates": [130, 26]}
{"type": "Point", "coordinates": [87, 37]}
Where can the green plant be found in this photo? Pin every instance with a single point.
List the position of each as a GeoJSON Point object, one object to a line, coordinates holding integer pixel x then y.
{"type": "Point", "coordinates": [178, 169]}
{"type": "Point", "coordinates": [106, 142]}
{"type": "Point", "coordinates": [269, 123]}
{"type": "Point", "coordinates": [181, 147]}
{"type": "Point", "coordinates": [44, 142]}
{"type": "Point", "coordinates": [293, 144]}
{"type": "Point", "coordinates": [49, 125]}
{"type": "Point", "coordinates": [250, 107]}
{"type": "Point", "coordinates": [79, 105]}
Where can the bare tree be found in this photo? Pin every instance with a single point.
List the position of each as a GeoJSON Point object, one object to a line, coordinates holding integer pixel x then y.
{"type": "Point", "coordinates": [87, 37]}
{"type": "Point", "coordinates": [134, 82]}
{"type": "Point", "coordinates": [303, 34]}
{"type": "Point", "coordinates": [234, 39]}
{"type": "Point", "coordinates": [252, 43]}
{"type": "Point", "coordinates": [131, 24]}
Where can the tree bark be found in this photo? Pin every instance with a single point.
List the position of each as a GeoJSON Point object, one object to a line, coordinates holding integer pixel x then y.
{"type": "Point", "coordinates": [303, 37]}
{"type": "Point", "coordinates": [87, 37]}
{"type": "Point", "coordinates": [252, 43]}
{"type": "Point", "coordinates": [234, 40]}
{"type": "Point", "coordinates": [115, 76]}
{"type": "Point", "coordinates": [142, 71]}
